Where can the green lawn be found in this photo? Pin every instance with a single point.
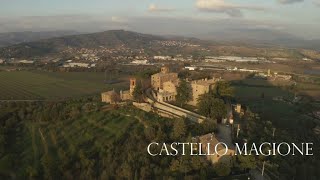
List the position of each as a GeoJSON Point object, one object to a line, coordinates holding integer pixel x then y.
{"type": "Point", "coordinates": [27, 85]}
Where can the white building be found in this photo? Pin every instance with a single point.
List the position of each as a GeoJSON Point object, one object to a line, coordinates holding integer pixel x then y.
{"type": "Point", "coordinates": [233, 58]}
{"type": "Point", "coordinates": [26, 62]}
{"type": "Point", "coordinates": [162, 57]}
{"type": "Point", "coordinates": [306, 59]}
{"type": "Point", "coordinates": [1, 61]}
{"type": "Point", "coordinates": [140, 62]}
{"type": "Point", "coordinates": [76, 65]}
{"type": "Point", "coordinates": [191, 68]}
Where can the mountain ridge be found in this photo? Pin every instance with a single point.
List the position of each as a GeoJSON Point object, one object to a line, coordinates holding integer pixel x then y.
{"type": "Point", "coordinates": [139, 41]}
{"type": "Point", "coordinates": [12, 38]}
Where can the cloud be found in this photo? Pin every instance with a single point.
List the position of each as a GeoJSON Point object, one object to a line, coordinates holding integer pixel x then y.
{"type": "Point", "coordinates": [117, 19]}
{"type": "Point", "coordinates": [316, 2]}
{"type": "Point", "coordinates": [289, 1]}
{"type": "Point", "coordinates": [160, 25]}
{"type": "Point", "coordinates": [221, 6]}
{"type": "Point", "coordinates": [81, 23]}
{"type": "Point", "coordinates": [155, 8]}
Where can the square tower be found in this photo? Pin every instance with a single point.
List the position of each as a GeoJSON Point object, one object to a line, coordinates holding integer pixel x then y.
{"type": "Point", "coordinates": [133, 83]}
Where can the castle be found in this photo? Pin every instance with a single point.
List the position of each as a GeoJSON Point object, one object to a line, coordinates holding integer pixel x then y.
{"type": "Point", "coordinates": [166, 83]}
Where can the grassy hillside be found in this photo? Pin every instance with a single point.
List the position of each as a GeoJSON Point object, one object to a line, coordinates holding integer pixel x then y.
{"type": "Point", "coordinates": [46, 147]}
{"type": "Point", "coordinates": [81, 139]}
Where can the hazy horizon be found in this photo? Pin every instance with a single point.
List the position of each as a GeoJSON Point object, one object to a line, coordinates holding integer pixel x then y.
{"type": "Point", "coordinates": [188, 18]}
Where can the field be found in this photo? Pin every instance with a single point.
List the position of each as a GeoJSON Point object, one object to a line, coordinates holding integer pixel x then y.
{"type": "Point", "coordinates": [36, 85]}
{"type": "Point", "coordinates": [259, 96]}
{"type": "Point", "coordinates": [253, 89]}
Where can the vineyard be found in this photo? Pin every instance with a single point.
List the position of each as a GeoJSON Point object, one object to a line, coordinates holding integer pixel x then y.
{"type": "Point", "coordinates": [27, 85]}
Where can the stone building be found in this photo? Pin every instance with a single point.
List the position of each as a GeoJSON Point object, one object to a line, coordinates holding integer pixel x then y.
{"type": "Point", "coordinates": [128, 94]}
{"type": "Point", "coordinates": [168, 92]}
{"type": "Point", "coordinates": [210, 142]}
{"type": "Point", "coordinates": [200, 87]}
{"type": "Point", "coordinates": [166, 83]}
{"type": "Point", "coordinates": [111, 96]}
{"type": "Point", "coordinates": [171, 86]}
{"type": "Point", "coordinates": [165, 96]}
{"type": "Point", "coordinates": [165, 75]}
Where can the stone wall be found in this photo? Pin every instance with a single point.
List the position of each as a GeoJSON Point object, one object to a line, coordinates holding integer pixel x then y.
{"type": "Point", "coordinates": [143, 106]}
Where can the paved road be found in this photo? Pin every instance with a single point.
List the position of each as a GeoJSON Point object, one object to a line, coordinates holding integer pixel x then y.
{"type": "Point", "coordinates": [166, 107]}
{"type": "Point", "coordinates": [224, 134]}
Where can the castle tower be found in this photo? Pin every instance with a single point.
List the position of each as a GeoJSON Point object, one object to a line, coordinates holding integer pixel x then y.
{"type": "Point", "coordinates": [269, 72]}
{"type": "Point", "coordinates": [165, 69]}
{"type": "Point", "coordinates": [238, 108]}
{"type": "Point", "coordinates": [133, 82]}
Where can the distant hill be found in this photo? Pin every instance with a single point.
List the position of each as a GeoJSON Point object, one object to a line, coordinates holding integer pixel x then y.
{"type": "Point", "coordinates": [260, 37]}
{"type": "Point", "coordinates": [272, 45]}
{"type": "Point", "coordinates": [112, 39]}
{"type": "Point", "coordinates": [11, 38]}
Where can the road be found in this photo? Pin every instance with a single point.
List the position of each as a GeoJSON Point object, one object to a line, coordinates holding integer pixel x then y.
{"type": "Point", "coordinates": [171, 109]}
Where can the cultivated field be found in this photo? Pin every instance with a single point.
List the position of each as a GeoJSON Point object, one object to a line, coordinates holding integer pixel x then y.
{"type": "Point", "coordinates": [275, 102]}
{"type": "Point", "coordinates": [36, 85]}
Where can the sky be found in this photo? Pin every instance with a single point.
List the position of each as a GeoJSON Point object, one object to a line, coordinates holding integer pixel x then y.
{"type": "Point", "coordinates": [175, 17]}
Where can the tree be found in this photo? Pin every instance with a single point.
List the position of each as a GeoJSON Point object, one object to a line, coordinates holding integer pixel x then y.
{"type": "Point", "coordinates": [224, 90]}
{"type": "Point", "coordinates": [125, 171]}
{"type": "Point", "coordinates": [179, 129]}
{"type": "Point", "coordinates": [138, 92]}
{"type": "Point", "coordinates": [183, 93]}
{"type": "Point", "coordinates": [184, 74]}
{"type": "Point", "coordinates": [211, 106]}
{"type": "Point", "coordinates": [246, 162]}
{"type": "Point", "coordinates": [222, 169]}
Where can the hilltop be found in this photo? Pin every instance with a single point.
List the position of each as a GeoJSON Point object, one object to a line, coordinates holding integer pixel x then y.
{"type": "Point", "coordinates": [111, 39]}
{"type": "Point", "coordinates": [11, 38]}
{"type": "Point", "coordinates": [132, 43]}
